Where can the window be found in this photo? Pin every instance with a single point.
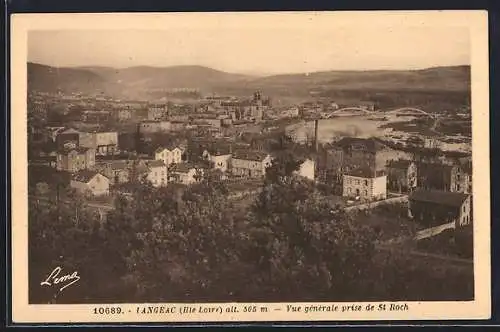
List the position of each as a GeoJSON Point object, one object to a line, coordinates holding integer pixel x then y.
{"type": "Point", "coordinates": [366, 182]}
{"type": "Point", "coordinates": [357, 182]}
{"type": "Point", "coordinates": [348, 190]}
{"type": "Point", "coordinates": [365, 193]}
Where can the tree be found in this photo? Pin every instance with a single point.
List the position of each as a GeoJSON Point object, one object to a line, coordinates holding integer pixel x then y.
{"type": "Point", "coordinates": [282, 167]}
{"type": "Point", "coordinates": [301, 248]}
{"type": "Point", "coordinates": [59, 236]}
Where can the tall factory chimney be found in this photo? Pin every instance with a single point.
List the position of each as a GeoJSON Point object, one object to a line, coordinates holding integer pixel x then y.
{"type": "Point", "coordinates": [316, 124]}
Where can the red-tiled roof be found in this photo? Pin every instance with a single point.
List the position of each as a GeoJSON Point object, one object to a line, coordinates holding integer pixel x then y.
{"type": "Point", "coordinates": [439, 197]}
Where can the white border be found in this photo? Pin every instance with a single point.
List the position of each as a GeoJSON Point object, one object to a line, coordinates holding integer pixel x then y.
{"type": "Point", "coordinates": [476, 21]}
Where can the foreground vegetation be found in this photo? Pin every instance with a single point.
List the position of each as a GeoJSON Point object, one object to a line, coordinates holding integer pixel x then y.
{"type": "Point", "coordinates": [170, 246]}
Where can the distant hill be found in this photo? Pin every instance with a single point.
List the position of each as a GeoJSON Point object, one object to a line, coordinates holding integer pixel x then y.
{"type": "Point", "coordinates": [51, 79]}
{"type": "Point", "coordinates": [143, 80]}
{"type": "Point", "coordinates": [438, 79]}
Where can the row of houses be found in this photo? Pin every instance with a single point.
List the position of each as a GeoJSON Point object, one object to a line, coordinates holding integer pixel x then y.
{"type": "Point", "coordinates": [103, 142]}
{"type": "Point", "coordinates": [373, 161]}
{"type": "Point", "coordinates": [96, 179]}
{"type": "Point", "coordinates": [438, 193]}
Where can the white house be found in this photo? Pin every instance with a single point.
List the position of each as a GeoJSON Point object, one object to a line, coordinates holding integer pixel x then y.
{"type": "Point", "coordinates": [157, 173]}
{"type": "Point", "coordinates": [365, 185]}
{"type": "Point", "coordinates": [90, 183]}
{"type": "Point", "coordinates": [184, 173]}
{"type": "Point", "coordinates": [307, 169]}
{"type": "Point", "coordinates": [220, 158]}
{"type": "Point", "coordinates": [169, 155]}
{"type": "Point", "coordinates": [250, 163]}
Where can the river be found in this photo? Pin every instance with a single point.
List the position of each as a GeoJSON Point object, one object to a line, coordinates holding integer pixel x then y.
{"type": "Point", "coordinates": [362, 126]}
{"type": "Point", "coordinates": [356, 126]}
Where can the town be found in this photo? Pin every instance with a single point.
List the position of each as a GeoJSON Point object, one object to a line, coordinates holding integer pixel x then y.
{"type": "Point", "coordinates": [413, 192]}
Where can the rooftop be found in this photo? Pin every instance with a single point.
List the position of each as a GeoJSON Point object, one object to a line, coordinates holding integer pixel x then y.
{"type": "Point", "coordinates": [155, 163]}
{"type": "Point", "coordinates": [370, 144]}
{"type": "Point", "coordinates": [439, 197]}
{"type": "Point", "coordinates": [364, 172]}
{"type": "Point", "coordinates": [79, 150]}
{"type": "Point", "coordinates": [434, 167]}
{"type": "Point", "coordinates": [250, 155]}
{"type": "Point", "coordinates": [182, 167]}
{"type": "Point", "coordinates": [219, 149]}
{"type": "Point", "coordinates": [117, 164]}
{"type": "Point", "coordinates": [400, 164]}
{"type": "Point", "coordinates": [168, 146]}
{"type": "Point", "coordinates": [84, 176]}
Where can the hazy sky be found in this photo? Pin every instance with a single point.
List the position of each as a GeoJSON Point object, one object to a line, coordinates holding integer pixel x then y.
{"type": "Point", "coordinates": [259, 49]}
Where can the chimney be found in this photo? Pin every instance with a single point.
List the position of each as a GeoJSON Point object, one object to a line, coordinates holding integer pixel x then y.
{"type": "Point", "coordinates": [316, 125]}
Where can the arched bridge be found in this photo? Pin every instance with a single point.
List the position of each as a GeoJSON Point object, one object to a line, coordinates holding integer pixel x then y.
{"type": "Point", "coordinates": [348, 111]}
{"type": "Point", "coordinates": [353, 111]}
{"type": "Point", "coordinates": [410, 111]}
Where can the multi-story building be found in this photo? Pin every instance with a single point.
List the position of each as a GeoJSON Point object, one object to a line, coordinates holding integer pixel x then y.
{"type": "Point", "coordinates": [436, 207]}
{"type": "Point", "coordinates": [154, 126]}
{"type": "Point", "coordinates": [75, 159]}
{"type": "Point", "coordinates": [104, 142]}
{"type": "Point", "coordinates": [353, 153]}
{"type": "Point", "coordinates": [170, 154]}
{"type": "Point", "coordinates": [213, 121]}
{"type": "Point", "coordinates": [185, 173]}
{"type": "Point", "coordinates": [157, 173]}
{"type": "Point", "coordinates": [219, 156]}
{"type": "Point", "coordinates": [250, 163]}
{"type": "Point", "coordinates": [92, 116]}
{"type": "Point", "coordinates": [90, 183]}
{"type": "Point", "coordinates": [365, 185]}
{"type": "Point", "coordinates": [117, 171]}
{"type": "Point", "coordinates": [401, 175]}
{"type": "Point", "coordinates": [177, 125]}
{"type": "Point", "coordinates": [126, 114]}
{"type": "Point", "coordinates": [179, 117]}
{"type": "Point", "coordinates": [254, 109]}
{"type": "Point", "coordinates": [436, 176]}
{"type": "Point", "coordinates": [66, 136]}
{"type": "Point", "coordinates": [157, 112]}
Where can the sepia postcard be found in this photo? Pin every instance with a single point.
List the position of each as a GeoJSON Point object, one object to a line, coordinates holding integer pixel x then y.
{"type": "Point", "coordinates": [246, 167]}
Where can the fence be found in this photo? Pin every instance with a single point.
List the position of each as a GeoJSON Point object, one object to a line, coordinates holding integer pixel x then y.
{"type": "Point", "coordinates": [371, 205]}
{"type": "Point", "coordinates": [429, 232]}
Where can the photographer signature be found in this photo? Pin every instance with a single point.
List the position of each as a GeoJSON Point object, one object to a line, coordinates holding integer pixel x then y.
{"type": "Point", "coordinates": [54, 279]}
